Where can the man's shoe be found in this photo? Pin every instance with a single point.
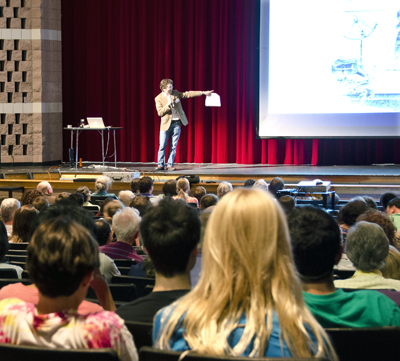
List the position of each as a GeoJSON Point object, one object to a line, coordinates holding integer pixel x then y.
{"type": "Point", "coordinates": [170, 168]}
{"type": "Point", "coordinates": [159, 168]}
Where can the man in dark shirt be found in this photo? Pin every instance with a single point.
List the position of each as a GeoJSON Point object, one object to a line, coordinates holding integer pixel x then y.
{"type": "Point", "coordinates": [170, 234]}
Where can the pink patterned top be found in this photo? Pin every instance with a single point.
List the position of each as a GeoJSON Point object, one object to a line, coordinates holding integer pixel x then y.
{"type": "Point", "coordinates": [21, 324]}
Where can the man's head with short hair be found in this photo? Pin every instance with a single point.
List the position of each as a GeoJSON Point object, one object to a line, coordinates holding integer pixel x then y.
{"type": "Point", "coordinates": [126, 225]}
{"type": "Point", "coordinates": [8, 208]}
{"type": "Point", "coordinates": [77, 198]}
{"type": "Point", "coordinates": [277, 184]}
{"type": "Point", "coordinates": [61, 273]}
{"type": "Point", "coordinates": [103, 231]}
{"type": "Point", "coordinates": [287, 203]}
{"type": "Point", "coordinates": [112, 207]}
{"type": "Point", "coordinates": [261, 183]}
{"type": "Point", "coordinates": [249, 183]}
{"type": "Point", "coordinates": [393, 207]}
{"type": "Point", "coordinates": [367, 246]}
{"type": "Point", "coordinates": [316, 242]}
{"type": "Point", "coordinates": [142, 204]}
{"type": "Point", "coordinates": [125, 197]}
{"type": "Point", "coordinates": [224, 188]}
{"type": "Point", "coordinates": [199, 193]}
{"type": "Point", "coordinates": [169, 188]}
{"type": "Point", "coordinates": [45, 188]}
{"type": "Point", "coordinates": [386, 198]}
{"type": "Point", "coordinates": [164, 83]}
{"type": "Point", "coordinates": [208, 200]}
{"type": "Point", "coordinates": [135, 186]}
{"type": "Point", "coordinates": [170, 232]}
{"type": "Point", "coordinates": [41, 203]}
{"type": "Point", "coordinates": [146, 185]}
{"type": "Point", "coordinates": [349, 213]}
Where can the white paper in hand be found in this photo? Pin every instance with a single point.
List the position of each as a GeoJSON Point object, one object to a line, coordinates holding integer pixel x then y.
{"type": "Point", "coordinates": [213, 100]}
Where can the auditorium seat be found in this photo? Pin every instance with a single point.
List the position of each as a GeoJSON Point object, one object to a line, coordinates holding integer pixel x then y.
{"type": "Point", "coordinates": [139, 282]}
{"type": "Point", "coordinates": [8, 273]}
{"type": "Point", "coordinates": [21, 246]}
{"type": "Point", "coordinates": [7, 281]}
{"type": "Point", "coordinates": [365, 343]}
{"type": "Point", "coordinates": [121, 293]}
{"type": "Point", "coordinates": [141, 332]}
{"type": "Point", "coordinates": [151, 354]}
{"type": "Point", "coordinates": [124, 262]}
{"type": "Point", "coordinates": [34, 353]}
{"type": "Point", "coordinates": [342, 274]}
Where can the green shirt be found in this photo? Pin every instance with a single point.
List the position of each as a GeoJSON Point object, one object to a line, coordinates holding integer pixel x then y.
{"type": "Point", "coordinates": [353, 309]}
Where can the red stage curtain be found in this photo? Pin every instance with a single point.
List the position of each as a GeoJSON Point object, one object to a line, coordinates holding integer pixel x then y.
{"type": "Point", "coordinates": [115, 52]}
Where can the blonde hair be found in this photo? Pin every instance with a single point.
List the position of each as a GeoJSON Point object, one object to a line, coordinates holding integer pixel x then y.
{"type": "Point", "coordinates": [391, 269]}
{"type": "Point", "coordinates": [247, 270]}
{"type": "Point", "coordinates": [182, 187]}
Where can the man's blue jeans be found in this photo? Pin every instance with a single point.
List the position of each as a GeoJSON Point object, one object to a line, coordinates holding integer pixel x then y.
{"type": "Point", "coordinates": [174, 131]}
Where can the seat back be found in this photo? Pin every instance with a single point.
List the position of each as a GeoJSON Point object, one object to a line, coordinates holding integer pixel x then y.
{"type": "Point", "coordinates": [120, 292]}
{"type": "Point", "coordinates": [8, 273]}
{"type": "Point", "coordinates": [7, 281]}
{"type": "Point", "coordinates": [124, 262]}
{"type": "Point", "coordinates": [342, 274]}
{"type": "Point", "coordinates": [141, 332]}
{"type": "Point", "coordinates": [16, 352]}
{"type": "Point", "coordinates": [139, 282]}
{"type": "Point", "coordinates": [20, 246]}
{"type": "Point", "coordinates": [365, 343]}
{"type": "Point", "coordinates": [151, 354]}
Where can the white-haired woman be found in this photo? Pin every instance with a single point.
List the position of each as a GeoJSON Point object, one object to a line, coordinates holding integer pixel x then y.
{"type": "Point", "coordinates": [102, 184]}
{"type": "Point", "coordinates": [248, 300]}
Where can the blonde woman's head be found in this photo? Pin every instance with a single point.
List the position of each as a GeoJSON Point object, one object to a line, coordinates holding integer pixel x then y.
{"type": "Point", "coordinates": [182, 188]}
{"type": "Point", "coordinates": [391, 269]}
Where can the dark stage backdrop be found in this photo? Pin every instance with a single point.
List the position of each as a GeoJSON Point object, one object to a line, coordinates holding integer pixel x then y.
{"type": "Point", "coordinates": [115, 52]}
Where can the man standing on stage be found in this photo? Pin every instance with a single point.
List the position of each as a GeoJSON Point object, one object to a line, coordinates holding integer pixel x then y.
{"type": "Point", "coordinates": [170, 110]}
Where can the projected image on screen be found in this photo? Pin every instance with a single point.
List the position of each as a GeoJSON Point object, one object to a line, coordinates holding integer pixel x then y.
{"type": "Point", "coordinates": [329, 68]}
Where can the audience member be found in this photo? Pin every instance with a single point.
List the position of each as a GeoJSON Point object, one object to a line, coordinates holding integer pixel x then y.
{"type": "Point", "coordinates": [223, 188]}
{"type": "Point", "coordinates": [370, 202]}
{"type": "Point", "coordinates": [4, 247]}
{"type": "Point", "coordinates": [146, 189]}
{"type": "Point", "coordinates": [249, 183]}
{"type": "Point", "coordinates": [393, 210]}
{"type": "Point", "coordinates": [142, 204]}
{"type": "Point", "coordinates": [61, 196]}
{"type": "Point", "coordinates": [63, 279]}
{"type": "Point", "coordinates": [110, 208]}
{"type": "Point", "coordinates": [277, 184]}
{"type": "Point", "coordinates": [22, 224]}
{"type": "Point", "coordinates": [317, 247]}
{"type": "Point", "coordinates": [169, 188]}
{"type": "Point", "coordinates": [29, 196]}
{"type": "Point", "coordinates": [261, 183]}
{"type": "Point", "coordinates": [102, 205]}
{"type": "Point", "coordinates": [102, 185]}
{"type": "Point", "coordinates": [391, 269]}
{"type": "Point", "coordinates": [8, 208]}
{"type": "Point", "coordinates": [386, 198]}
{"type": "Point", "coordinates": [367, 247]}
{"type": "Point", "coordinates": [183, 189]}
{"type": "Point", "coordinates": [348, 214]}
{"type": "Point", "coordinates": [87, 195]}
{"type": "Point", "coordinates": [125, 197]}
{"type": "Point", "coordinates": [47, 190]}
{"type": "Point", "coordinates": [126, 226]}
{"type": "Point", "coordinates": [199, 193]}
{"type": "Point", "coordinates": [170, 233]}
{"type": "Point", "coordinates": [103, 232]}
{"type": "Point", "coordinates": [209, 200]}
{"type": "Point", "coordinates": [287, 203]}
{"type": "Point", "coordinates": [78, 198]}
{"type": "Point", "coordinates": [135, 186]}
{"type": "Point", "coordinates": [248, 300]}
{"type": "Point", "coordinates": [40, 203]}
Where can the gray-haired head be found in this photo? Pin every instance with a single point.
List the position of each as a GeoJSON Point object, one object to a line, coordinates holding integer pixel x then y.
{"type": "Point", "coordinates": [8, 208]}
{"type": "Point", "coordinates": [103, 183]}
{"type": "Point", "coordinates": [261, 183]}
{"type": "Point", "coordinates": [126, 224]}
{"type": "Point", "coordinates": [125, 197]}
{"type": "Point", "coordinates": [223, 188]}
{"type": "Point", "coordinates": [367, 246]}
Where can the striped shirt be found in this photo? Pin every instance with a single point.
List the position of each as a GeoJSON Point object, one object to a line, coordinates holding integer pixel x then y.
{"type": "Point", "coordinates": [120, 250]}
